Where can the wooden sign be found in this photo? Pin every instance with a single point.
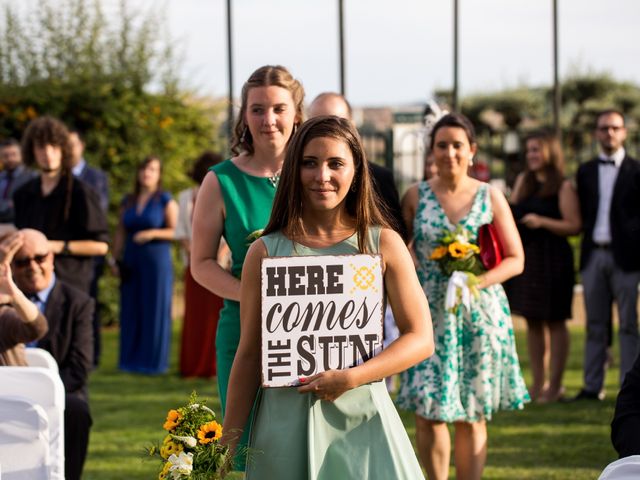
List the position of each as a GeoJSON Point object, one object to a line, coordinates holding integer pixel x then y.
{"type": "Point", "coordinates": [319, 313]}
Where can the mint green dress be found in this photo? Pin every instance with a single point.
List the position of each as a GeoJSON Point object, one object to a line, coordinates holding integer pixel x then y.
{"type": "Point", "coordinates": [247, 203]}
{"type": "Point", "coordinates": [474, 371]}
{"type": "Point", "coordinates": [358, 436]}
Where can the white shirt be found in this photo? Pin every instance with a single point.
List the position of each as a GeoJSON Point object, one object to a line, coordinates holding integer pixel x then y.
{"type": "Point", "coordinates": [607, 175]}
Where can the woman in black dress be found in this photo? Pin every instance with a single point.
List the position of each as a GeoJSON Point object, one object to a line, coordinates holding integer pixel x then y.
{"type": "Point", "coordinates": [545, 206]}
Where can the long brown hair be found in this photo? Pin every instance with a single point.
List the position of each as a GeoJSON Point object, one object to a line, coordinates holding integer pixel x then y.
{"type": "Point", "coordinates": [553, 167]}
{"type": "Point", "coordinates": [44, 131]}
{"type": "Point", "coordinates": [361, 202]}
{"type": "Point", "coordinates": [137, 188]}
{"type": "Point", "coordinates": [267, 76]}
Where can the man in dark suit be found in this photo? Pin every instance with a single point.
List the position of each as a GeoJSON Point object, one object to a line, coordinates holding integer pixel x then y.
{"type": "Point", "coordinates": [609, 192]}
{"type": "Point", "coordinates": [92, 176]}
{"type": "Point", "coordinates": [97, 179]}
{"type": "Point", "coordinates": [13, 175]}
{"type": "Point", "coordinates": [330, 103]}
{"type": "Point", "coordinates": [70, 338]}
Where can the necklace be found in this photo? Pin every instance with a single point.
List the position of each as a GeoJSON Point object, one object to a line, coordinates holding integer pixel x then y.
{"type": "Point", "coordinates": [274, 179]}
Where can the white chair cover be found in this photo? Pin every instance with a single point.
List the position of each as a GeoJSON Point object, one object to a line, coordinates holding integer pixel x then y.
{"type": "Point", "coordinates": [24, 439]}
{"type": "Point", "coordinates": [38, 357]}
{"type": "Point", "coordinates": [43, 387]}
{"type": "Point", "coordinates": [627, 468]}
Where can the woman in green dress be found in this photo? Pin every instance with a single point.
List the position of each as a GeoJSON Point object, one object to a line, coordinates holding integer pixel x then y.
{"type": "Point", "coordinates": [475, 369]}
{"type": "Point", "coordinates": [236, 196]}
{"type": "Point", "coordinates": [339, 423]}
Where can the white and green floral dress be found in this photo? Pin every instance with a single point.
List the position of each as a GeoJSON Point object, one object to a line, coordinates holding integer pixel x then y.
{"type": "Point", "coordinates": [474, 370]}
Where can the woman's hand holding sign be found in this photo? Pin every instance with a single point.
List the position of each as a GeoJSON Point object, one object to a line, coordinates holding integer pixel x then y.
{"type": "Point", "coordinates": [327, 385]}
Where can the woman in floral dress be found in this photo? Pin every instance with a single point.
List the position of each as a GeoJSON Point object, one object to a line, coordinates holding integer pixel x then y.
{"type": "Point", "coordinates": [474, 371]}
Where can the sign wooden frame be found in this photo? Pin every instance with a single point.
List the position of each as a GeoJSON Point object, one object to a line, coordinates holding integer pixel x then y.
{"type": "Point", "coordinates": [319, 313]}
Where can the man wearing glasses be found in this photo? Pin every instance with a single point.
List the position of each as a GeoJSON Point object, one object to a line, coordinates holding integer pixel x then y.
{"type": "Point", "coordinates": [609, 192]}
{"type": "Point", "coordinates": [69, 313]}
{"type": "Point", "coordinates": [20, 320]}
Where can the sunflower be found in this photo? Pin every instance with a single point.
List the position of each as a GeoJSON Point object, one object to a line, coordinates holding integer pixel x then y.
{"type": "Point", "coordinates": [209, 432]}
{"type": "Point", "coordinates": [438, 253]}
{"type": "Point", "coordinates": [165, 471]}
{"type": "Point", "coordinates": [169, 447]}
{"type": "Point", "coordinates": [173, 420]}
{"type": "Point", "coordinates": [457, 249]}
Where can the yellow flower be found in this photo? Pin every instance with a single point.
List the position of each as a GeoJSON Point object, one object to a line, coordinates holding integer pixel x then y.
{"type": "Point", "coordinates": [438, 253]}
{"type": "Point", "coordinates": [169, 447]}
{"type": "Point", "coordinates": [165, 471]}
{"type": "Point", "coordinates": [31, 112]}
{"type": "Point", "coordinates": [166, 122]}
{"type": "Point", "coordinates": [457, 249]}
{"type": "Point", "coordinates": [173, 420]}
{"type": "Point", "coordinates": [209, 432]}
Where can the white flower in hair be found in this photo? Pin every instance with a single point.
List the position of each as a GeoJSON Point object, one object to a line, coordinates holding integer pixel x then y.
{"type": "Point", "coordinates": [433, 113]}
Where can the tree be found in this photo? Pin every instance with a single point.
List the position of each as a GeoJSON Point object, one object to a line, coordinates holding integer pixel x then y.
{"type": "Point", "coordinates": [113, 80]}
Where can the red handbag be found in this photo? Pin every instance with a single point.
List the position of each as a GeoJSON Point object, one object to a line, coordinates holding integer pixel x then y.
{"type": "Point", "coordinates": [490, 247]}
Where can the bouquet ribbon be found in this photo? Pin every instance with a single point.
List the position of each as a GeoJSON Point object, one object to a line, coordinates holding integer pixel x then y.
{"type": "Point", "coordinates": [461, 286]}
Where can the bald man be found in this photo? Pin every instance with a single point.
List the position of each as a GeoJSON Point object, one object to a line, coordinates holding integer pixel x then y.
{"type": "Point", "coordinates": [70, 338]}
{"type": "Point", "coordinates": [331, 103]}
{"type": "Point", "coordinates": [20, 320]}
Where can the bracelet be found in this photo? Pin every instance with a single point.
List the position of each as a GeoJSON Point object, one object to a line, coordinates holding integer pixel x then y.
{"type": "Point", "coordinates": [65, 248]}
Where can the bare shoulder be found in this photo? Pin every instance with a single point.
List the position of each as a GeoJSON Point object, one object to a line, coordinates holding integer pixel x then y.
{"type": "Point", "coordinates": [389, 238]}
{"type": "Point", "coordinates": [412, 191]}
{"type": "Point", "coordinates": [257, 251]}
{"type": "Point", "coordinates": [567, 186]}
{"type": "Point", "coordinates": [392, 247]}
{"type": "Point", "coordinates": [496, 195]}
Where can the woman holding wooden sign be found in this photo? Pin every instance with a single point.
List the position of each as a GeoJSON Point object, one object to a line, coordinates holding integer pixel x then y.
{"type": "Point", "coordinates": [475, 371]}
{"type": "Point", "coordinates": [235, 199]}
{"type": "Point", "coordinates": [338, 423]}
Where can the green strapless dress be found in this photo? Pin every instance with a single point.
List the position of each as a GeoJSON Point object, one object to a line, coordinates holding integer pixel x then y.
{"type": "Point", "coordinates": [299, 437]}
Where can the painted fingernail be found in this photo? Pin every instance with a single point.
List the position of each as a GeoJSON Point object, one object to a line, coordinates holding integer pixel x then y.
{"type": "Point", "coordinates": [302, 379]}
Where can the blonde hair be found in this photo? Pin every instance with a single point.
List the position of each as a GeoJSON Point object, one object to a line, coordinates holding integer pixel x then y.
{"type": "Point", "coordinates": [267, 76]}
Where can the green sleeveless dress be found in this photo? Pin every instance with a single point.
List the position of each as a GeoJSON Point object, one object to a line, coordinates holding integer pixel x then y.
{"type": "Point", "coordinates": [297, 436]}
{"type": "Point", "coordinates": [247, 203]}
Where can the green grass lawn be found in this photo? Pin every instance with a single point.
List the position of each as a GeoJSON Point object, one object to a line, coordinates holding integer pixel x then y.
{"type": "Point", "coordinates": [557, 441]}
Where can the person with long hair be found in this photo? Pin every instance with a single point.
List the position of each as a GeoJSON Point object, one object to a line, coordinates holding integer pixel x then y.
{"type": "Point", "coordinates": [474, 371]}
{"type": "Point", "coordinates": [201, 307]}
{"type": "Point", "coordinates": [339, 423]}
{"type": "Point", "coordinates": [236, 196]}
{"type": "Point", "coordinates": [60, 206]}
{"type": "Point", "coordinates": [142, 249]}
{"type": "Point", "coordinates": [546, 208]}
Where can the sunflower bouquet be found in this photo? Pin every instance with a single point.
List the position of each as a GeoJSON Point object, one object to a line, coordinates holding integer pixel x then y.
{"type": "Point", "coordinates": [459, 259]}
{"type": "Point", "coordinates": [191, 448]}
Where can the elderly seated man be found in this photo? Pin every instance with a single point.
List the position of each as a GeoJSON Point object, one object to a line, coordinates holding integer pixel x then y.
{"type": "Point", "coordinates": [20, 320]}
{"type": "Point", "coordinates": [69, 312]}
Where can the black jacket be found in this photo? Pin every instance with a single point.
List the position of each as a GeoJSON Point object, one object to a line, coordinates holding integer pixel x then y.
{"type": "Point", "coordinates": [626, 419]}
{"type": "Point", "coordinates": [70, 338]}
{"type": "Point", "coordinates": [624, 216]}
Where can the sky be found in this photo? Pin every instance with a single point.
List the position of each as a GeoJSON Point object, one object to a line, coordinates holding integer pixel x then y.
{"type": "Point", "coordinates": [399, 51]}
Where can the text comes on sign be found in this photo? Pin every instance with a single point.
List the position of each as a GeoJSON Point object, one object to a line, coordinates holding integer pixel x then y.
{"type": "Point", "coordinates": [319, 313]}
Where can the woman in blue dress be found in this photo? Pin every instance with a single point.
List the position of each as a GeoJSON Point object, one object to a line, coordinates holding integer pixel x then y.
{"type": "Point", "coordinates": [339, 423]}
{"type": "Point", "coordinates": [142, 248]}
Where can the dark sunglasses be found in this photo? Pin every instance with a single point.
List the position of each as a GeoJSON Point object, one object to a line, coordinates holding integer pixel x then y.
{"type": "Point", "coordinates": [26, 261]}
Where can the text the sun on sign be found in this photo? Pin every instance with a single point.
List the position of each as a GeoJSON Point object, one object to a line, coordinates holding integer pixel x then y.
{"type": "Point", "coordinates": [319, 313]}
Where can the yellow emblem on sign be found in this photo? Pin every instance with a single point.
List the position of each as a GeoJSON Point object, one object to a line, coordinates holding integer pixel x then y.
{"type": "Point", "coordinates": [363, 277]}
